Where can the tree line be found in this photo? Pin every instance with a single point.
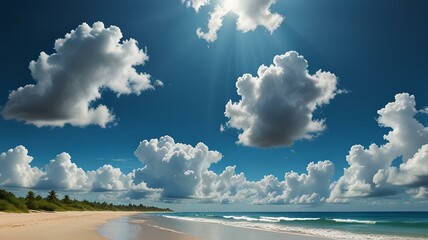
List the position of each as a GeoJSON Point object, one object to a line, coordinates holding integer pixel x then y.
{"type": "Point", "coordinates": [11, 203]}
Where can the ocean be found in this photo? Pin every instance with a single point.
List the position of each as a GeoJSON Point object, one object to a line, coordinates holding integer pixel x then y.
{"type": "Point", "coordinates": [333, 225]}
{"type": "Point", "coordinates": [278, 225]}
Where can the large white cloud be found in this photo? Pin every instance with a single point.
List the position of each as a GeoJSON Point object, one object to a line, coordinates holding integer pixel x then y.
{"type": "Point", "coordinates": [15, 169]}
{"type": "Point", "coordinates": [182, 171]}
{"type": "Point", "coordinates": [86, 61]}
{"type": "Point", "coordinates": [61, 173]}
{"type": "Point", "coordinates": [250, 14]}
{"type": "Point", "coordinates": [229, 187]}
{"type": "Point", "coordinates": [108, 178]}
{"type": "Point", "coordinates": [172, 171]}
{"type": "Point", "coordinates": [276, 107]}
{"type": "Point", "coordinates": [174, 167]}
{"type": "Point", "coordinates": [370, 171]}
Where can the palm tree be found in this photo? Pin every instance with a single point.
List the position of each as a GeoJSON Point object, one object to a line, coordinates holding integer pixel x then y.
{"type": "Point", "coordinates": [30, 198]}
{"type": "Point", "coordinates": [66, 199]}
{"type": "Point", "coordinates": [52, 197]}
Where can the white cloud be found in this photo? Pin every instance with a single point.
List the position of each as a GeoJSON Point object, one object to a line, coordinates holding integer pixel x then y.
{"type": "Point", "coordinates": [61, 173]}
{"type": "Point", "coordinates": [413, 172]}
{"type": "Point", "coordinates": [249, 13]}
{"type": "Point", "coordinates": [159, 83]}
{"type": "Point", "coordinates": [108, 178]}
{"type": "Point", "coordinates": [172, 171]}
{"type": "Point", "coordinates": [419, 193]}
{"type": "Point", "coordinates": [174, 167]}
{"type": "Point", "coordinates": [182, 171]}
{"type": "Point", "coordinates": [68, 82]}
{"type": "Point", "coordinates": [15, 169]}
{"type": "Point", "coordinates": [311, 187]}
{"type": "Point", "coordinates": [195, 4]}
{"type": "Point", "coordinates": [370, 172]}
{"type": "Point", "coordinates": [229, 187]}
{"type": "Point", "coordinates": [222, 128]}
{"type": "Point", "coordinates": [276, 107]}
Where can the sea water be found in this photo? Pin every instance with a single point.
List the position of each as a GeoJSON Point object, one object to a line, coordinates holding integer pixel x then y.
{"type": "Point", "coordinates": [334, 225]}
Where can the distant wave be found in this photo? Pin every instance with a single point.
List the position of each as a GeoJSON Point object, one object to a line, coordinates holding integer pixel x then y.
{"type": "Point", "coordinates": [249, 219]}
{"type": "Point", "coordinates": [352, 221]}
{"type": "Point", "coordinates": [289, 219]}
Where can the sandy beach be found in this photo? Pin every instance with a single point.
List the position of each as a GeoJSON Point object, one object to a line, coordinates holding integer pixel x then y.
{"type": "Point", "coordinates": [57, 225]}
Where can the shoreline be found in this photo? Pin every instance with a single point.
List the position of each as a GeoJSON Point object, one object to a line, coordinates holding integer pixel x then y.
{"type": "Point", "coordinates": [149, 227]}
{"type": "Point", "coordinates": [56, 225]}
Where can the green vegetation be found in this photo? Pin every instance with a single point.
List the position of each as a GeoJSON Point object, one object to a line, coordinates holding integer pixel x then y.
{"type": "Point", "coordinates": [10, 203]}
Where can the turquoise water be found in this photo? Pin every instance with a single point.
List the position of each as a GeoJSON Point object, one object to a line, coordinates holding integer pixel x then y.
{"type": "Point", "coordinates": [338, 225]}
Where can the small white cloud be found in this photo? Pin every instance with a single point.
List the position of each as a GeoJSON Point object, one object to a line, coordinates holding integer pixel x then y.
{"type": "Point", "coordinates": [69, 81]}
{"type": "Point", "coordinates": [276, 107]}
{"type": "Point", "coordinates": [343, 91]}
{"type": "Point", "coordinates": [159, 83]}
{"type": "Point", "coordinates": [195, 4]}
{"type": "Point", "coordinates": [222, 128]}
{"type": "Point", "coordinates": [249, 13]}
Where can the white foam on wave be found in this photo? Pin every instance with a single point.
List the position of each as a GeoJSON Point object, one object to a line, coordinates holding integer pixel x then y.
{"type": "Point", "coordinates": [272, 227]}
{"type": "Point", "coordinates": [288, 219]}
{"type": "Point", "coordinates": [339, 220]}
{"type": "Point", "coordinates": [251, 219]}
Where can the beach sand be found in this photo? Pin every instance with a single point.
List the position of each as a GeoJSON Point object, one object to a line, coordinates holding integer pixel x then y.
{"type": "Point", "coordinates": [121, 225]}
{"type": "Point", "coordinates": [54, 226]}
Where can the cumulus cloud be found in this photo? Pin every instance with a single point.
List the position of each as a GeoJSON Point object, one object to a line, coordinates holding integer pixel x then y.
{"type": "Point", "coordinates": [276, 107]}
{"type": "Point", "coordinates": [229, 187]}
{"type": "Point", "coordinates": [107, 178]}
{"type": "Point", "coordinates": [249, 13]}
{"type": "Point", "coordinates": [61, 173]}
{"type": "Point", "coordinates": [311, 187]}
{"type": "Point", "coordinates": [419, 193]}
{"type": "Point", "coordinates": [86, 61]}
{"type": "Point", "coordinates": [370, 172]}
{"type": "Point", "coordinates": [15, 169]}
{"type": "Point", "coordinates": [174, 167]}
{"type": "Point", "coordinates": [172, 171]}
{"type": "Point", "coordinates": [182, 171]}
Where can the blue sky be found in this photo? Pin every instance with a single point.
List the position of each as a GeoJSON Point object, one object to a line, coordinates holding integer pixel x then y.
{"type": "Point", "coordinates": [376, 49]}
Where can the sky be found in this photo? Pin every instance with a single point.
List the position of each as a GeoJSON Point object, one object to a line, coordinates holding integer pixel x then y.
{"type": "Point", "coordinates": [217, 105]}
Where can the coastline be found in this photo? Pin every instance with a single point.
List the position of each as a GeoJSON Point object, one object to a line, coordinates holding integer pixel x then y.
{"type": "Point", "coordinates": [56, 225]}
{"type": "Point", "coordinates": [146, 227]}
